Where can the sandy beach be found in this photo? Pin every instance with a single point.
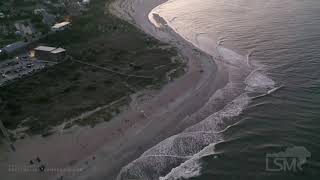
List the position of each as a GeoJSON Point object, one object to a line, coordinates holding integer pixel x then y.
{"type": "Point", "coordinates": [101, 152]}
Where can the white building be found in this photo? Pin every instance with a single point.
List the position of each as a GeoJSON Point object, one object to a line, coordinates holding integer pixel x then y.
{"type": "Point", "coordinates": [50, 53]}
{"type": "Point", "coordinates": [61, 26]}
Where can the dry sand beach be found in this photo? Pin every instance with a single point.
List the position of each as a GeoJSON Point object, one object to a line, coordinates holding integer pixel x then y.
{"type": "Point", "coordinates": [101, 152]}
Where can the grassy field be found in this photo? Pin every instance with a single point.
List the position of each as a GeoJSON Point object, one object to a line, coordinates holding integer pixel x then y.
{"type": "Point", "coordinates": [68, 89]}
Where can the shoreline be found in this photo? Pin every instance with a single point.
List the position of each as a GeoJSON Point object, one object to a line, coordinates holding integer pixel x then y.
{"type": "Point", "coordinates": [211, 76]}
{"type": "Point", "coordinates": [142, 126]}
{"type": "Point", "coordinates": [170, 107]}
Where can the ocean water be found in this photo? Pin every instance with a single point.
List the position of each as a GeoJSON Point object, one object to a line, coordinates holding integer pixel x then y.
{"type": "Point", "coordinates": [271, 49]}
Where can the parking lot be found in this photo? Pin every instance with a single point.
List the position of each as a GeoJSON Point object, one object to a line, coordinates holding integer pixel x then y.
{"type": "Point", "coordinates": [20, 66]}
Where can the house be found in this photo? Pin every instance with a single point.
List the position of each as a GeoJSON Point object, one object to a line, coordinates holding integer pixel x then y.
{"type": "Point", "coordinates": [58, 54]}
{"type": "Point", "coordinates": [24, 28]}
{"type": "Point", "coordinates": [61, 26]}
{"type": "Point", "coordinates": [49, 53]}
{"type": "Point", "coordinates": [43, 52]}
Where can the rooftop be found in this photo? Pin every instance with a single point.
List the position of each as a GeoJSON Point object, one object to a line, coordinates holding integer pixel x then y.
{"type": "Point", "coordinates": [45, 48]}
{"type": "Point", "coordinates": [58, 50]}
{"type": "Point", "coordinates": [59, 25]}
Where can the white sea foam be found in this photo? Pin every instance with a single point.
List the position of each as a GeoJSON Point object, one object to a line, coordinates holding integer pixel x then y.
{"type": "Point", "coordinates": [183, 150]}
{"type": "Point", "coordinates": [257, 81]}
{"type": "Point", "coordinates": [184, 144]}
{"type": "Point", "coordinates": [230, 57]}
{"type": "Point", "coordinates": [191, 167]}
{"type": "Point", "coordinates": [178, 156]}
{"type": "Point", "coordinates": [169, 153]}
{"type": "Point", "coordinates": [217, 120]}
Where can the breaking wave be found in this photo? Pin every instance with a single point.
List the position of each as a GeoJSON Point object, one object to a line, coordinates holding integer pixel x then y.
{"type": "Point", "coordinates": [178, 156]}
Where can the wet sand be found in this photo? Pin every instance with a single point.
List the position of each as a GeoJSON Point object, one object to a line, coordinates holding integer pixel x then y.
{"type": "Point", "coordinates": [101, 152]}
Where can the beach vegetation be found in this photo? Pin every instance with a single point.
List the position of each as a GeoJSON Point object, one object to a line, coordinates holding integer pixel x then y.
{"type": "Point", "coordinates": [64, 91]}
